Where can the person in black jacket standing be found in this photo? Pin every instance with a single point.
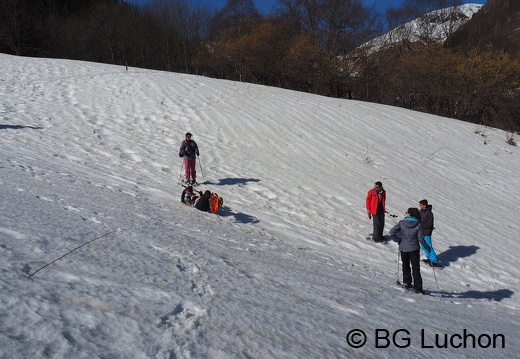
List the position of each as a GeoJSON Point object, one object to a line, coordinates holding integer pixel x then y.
{"type": "Point", "coordinates": [189, 150]}
{"type": "Point", "coordinates": [411, 234]}
{"type": "Point", "coordinates": [427, 223]}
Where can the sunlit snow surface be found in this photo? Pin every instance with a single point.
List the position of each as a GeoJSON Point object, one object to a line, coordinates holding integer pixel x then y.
{"type": "Point", "coordinates": [283, 271]}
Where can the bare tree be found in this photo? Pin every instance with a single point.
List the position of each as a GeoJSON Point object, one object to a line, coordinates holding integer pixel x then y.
{"type": "Point", "coordinates": [235, 20]}
{"type": "Point", "coordinates": [13, 24]}
{"type": "Point", "coordinates": [236, 15]}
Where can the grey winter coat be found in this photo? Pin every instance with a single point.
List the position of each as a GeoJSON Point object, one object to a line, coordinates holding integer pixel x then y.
{"type": "Point", "coordinates": [411, 233]}
{"type": "Point", "coordinates": [427, 220]}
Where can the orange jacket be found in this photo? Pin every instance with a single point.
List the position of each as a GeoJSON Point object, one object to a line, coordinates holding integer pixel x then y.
{"type": "Point", "coordinates": [373, 200]}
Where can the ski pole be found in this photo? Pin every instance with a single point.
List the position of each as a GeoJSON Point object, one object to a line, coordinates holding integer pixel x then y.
{"type": "Point", "coordinates": [201, 172]}
{"type": "Point", "coordinates": [392, 215]}
{"type": "Point", "coordinates": [437, 283]}
{"type": "Point", "coordinates": [398, 259]}
{"type": "Point", "coordinates": [180, 174]}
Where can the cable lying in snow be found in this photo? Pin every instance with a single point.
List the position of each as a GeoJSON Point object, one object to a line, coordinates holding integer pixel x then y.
{"type": "Point", "coordinates": [84, 244]}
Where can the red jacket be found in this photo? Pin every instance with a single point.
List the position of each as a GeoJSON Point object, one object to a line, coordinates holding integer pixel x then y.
{"type": "Point", "coordinates": [373, 200]}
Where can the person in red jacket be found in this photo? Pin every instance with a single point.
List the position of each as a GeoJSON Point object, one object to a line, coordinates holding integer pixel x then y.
{"type": "Point", "coordinates": [376, 209]}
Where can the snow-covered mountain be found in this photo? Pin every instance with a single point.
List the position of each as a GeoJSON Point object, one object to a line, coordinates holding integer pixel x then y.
{"type": "Point", "coordinates": [434, 26]}
{"type": "Point", "coordinates": [89, 164]}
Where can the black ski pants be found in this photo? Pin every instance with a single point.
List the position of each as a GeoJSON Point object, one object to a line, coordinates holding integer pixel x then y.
{"type": "Point", "coordinates": [413, 259]}
{"type": "Point", "coordinates": [379, 223]}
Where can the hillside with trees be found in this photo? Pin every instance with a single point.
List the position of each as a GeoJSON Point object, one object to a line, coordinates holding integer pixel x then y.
{"type": "Point", "coordinates": [497, 26]}
{"type": "Point", "coordinates": [306, 45]}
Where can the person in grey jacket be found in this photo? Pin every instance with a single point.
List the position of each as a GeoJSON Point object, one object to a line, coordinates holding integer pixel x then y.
{"type": "Point", "coordinates": [410, 235]}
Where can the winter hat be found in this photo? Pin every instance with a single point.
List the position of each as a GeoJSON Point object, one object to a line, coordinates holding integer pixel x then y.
{"type": "Point", "coordinates": [189, 134]}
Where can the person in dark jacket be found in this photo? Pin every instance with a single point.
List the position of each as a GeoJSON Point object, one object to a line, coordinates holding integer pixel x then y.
{"type": "Point", "coordinates": [203, 202]}
{"type": "Point", "coordinates": [427, 223]}
{"type": "Point", "coordinates": [189, 151]}
{"type": "Point", "coordinates": [410, 235]}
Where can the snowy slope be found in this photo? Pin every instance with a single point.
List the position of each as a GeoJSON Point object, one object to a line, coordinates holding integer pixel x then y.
{"type": "Point", "coordinates": [284, 271]}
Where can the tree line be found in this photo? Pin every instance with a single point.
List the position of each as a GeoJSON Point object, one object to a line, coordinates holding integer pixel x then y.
{"type": "Point", "coordinates": [305, 45]}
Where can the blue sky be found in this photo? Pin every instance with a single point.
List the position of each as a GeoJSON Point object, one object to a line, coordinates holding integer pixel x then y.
{"type": "Point", "coordinates": [265, 6]}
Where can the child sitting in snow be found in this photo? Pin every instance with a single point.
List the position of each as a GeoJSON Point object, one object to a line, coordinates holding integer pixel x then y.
{"type": "Point", "coordinates": [189, 197]}
{"type": "Point", "coordinates": [198, 199]}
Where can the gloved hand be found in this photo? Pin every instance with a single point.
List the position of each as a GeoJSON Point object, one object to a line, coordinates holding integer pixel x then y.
{"type": "Point", "coordinates": [369, 215]}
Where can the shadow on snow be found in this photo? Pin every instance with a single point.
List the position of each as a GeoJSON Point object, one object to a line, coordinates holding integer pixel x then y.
{"type": "Point", "coordinates": [18, 127]}
{"type": "Point", "coordinates": [233, 181]}
{"type": "Point", "coordinates": [496, 295]}
{"type": "Point", "coordinates": [228, 212]}
{"type": "Point", "coordinates": [452, 255]}
{"type": "Point", "coordinates": [239, 217]}
{"type": "Point", "coordinates": [456, 252]}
